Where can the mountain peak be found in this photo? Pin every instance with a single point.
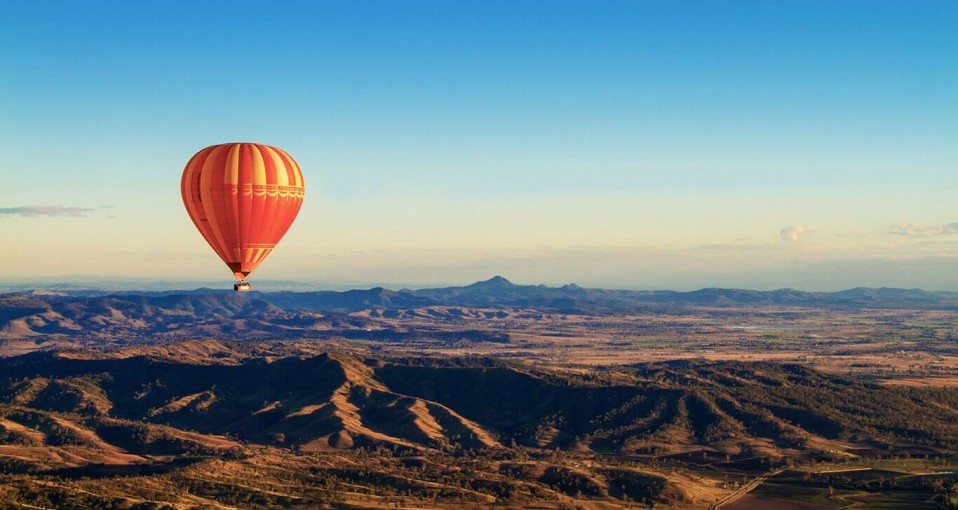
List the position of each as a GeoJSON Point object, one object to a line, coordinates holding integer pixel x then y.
{"type": "Point", "coordinates": [495, 281]}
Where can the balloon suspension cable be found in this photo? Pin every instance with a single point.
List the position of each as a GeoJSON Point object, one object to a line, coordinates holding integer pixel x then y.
{"type": "Point", "coordinates": [242, 286]}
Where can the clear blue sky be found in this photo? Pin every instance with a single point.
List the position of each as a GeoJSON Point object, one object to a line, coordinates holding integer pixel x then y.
{"type": "Point", "coordinates": [632, 144]}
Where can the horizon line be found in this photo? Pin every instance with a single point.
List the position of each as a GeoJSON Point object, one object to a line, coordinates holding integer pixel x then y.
{"type": "Point", "coordinates": [109, 284]}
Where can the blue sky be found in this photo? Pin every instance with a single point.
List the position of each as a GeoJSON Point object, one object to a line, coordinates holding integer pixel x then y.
{"type": "Point", "coordinates": [647, 144]}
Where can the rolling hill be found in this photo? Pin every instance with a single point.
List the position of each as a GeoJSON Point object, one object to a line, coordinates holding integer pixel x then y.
{"type": "Point", "coordinates": [211, 424]}
{"type": "Point", "coordinates": [337, 400]}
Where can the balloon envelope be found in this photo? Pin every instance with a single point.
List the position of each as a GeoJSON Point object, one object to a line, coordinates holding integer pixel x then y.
{"type": "Point", "coordinates": [242, 197]}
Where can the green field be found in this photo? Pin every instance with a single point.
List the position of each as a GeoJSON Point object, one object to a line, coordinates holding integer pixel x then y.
{"type": "Point", "coordinates": [814, 495]}
{"type": "Point", "coordinates": [885, 485]}
{"type": "Point", "coordinates": [897, 501]}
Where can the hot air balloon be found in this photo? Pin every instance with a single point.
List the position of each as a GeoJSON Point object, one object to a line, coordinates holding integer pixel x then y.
{"type": "Point", "coordinates": [242, 197]}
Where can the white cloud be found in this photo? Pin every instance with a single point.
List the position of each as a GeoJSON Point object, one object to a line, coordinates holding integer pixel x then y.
{"type": "Point", "coordinates": [793, 233]}
{"type": "Point", "coordinates": [44, 210]}
{"type": "Point", "coordinates": [919, 230]}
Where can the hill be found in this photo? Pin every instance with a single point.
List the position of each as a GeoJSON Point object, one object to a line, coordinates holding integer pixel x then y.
{"type": "Point", "coordinates": [238, 426]}
{"type": "Point", "coordinates": [334, 399]}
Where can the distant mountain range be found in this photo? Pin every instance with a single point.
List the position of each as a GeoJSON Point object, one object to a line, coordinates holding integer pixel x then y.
{"type": "Point", "coordinates": [36, 316]}
{"type": "Point", "coordinates": [498, 292]}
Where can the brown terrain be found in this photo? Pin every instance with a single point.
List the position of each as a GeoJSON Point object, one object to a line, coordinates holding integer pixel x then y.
{"type": "Point", "coordinates": [491, 395]}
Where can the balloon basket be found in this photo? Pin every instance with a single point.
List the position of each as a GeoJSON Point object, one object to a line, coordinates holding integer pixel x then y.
{"type": "Point", "coordinates": [242, 286]}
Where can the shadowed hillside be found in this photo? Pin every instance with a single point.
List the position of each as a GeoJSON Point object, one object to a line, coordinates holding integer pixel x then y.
{"type": "Point", "coordinates": [335, 400]}
{"type": "Point", "coordinates": [240, 426]}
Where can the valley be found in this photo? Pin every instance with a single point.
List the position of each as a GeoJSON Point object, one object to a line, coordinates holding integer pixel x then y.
{"type": "Point", "coordinates": [892, 336]}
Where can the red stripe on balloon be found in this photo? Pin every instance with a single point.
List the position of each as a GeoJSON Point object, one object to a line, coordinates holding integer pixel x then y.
{"type": "Point", "coordinates": [269, 216]}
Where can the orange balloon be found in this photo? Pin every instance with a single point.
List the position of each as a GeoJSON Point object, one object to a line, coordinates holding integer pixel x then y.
{"type": "Point", "coordinates": [242, 197]}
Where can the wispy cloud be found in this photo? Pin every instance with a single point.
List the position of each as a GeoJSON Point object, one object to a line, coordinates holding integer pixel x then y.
{"type": "Point", "coordinates": [44, 210]}
{"type": "Point", "coordinates": [919, 230]}
{"type": "Point", "coordinates": [792, 234]}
